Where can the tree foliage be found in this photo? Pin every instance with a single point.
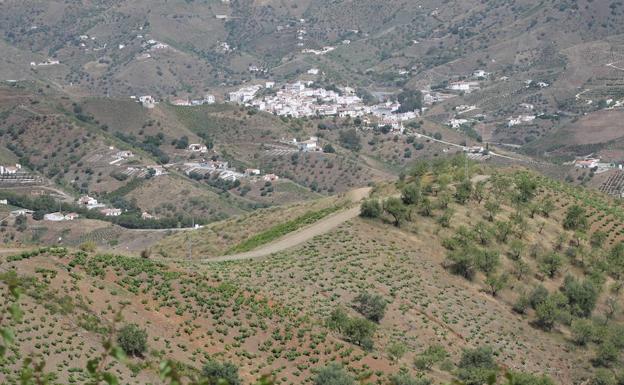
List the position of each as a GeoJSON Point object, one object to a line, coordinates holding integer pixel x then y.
{"type": "Point", "coordinates": [133, 340]}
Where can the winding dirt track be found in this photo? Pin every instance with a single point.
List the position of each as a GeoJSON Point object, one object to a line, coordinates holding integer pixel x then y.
{"type": "Point", "coordinates": [303, 235]}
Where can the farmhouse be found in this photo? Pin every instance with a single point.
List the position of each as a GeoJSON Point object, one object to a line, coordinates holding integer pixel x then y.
{"type": "Point", "coordinates": [244, 95]}
{"type": "Point", "coordinates": [270, 177]}
{"type": "Point", "coordinates": [480, 74]}
{"type": "Point", "coordinates": [196, 147]}
{"type": "Point", "coordinates": [10, 170]}
{"type": "Point", "coordinates": [124, 154]}
{"type": "Point", "coordinates": [308, 145]}
{"type": "Point", "coordinates": [520, 120]}
{"type": "Point", "coordinates": [463, 86]}
{"type": "Point", "coordinates": [181, 102]}
{"type": "Point", "coordinates": [586, 163]}
{"type": "Point", "coordinates": [252, 171]}
{"type": "Point", "coordinates": [111, 212]}
{"type": "Point", "coordinates": [60, 217]}
{"type": "Point", "coordinates": [457, 123]}
{"type": "Point", "coordinates": [18, 212]}
{"type": "Point", "coordinates": [147, 101]}
{"type": "Point", "coordinates": [90, 202]}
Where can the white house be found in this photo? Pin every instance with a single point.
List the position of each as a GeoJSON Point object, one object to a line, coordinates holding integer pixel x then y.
{"type": "Point", "coordinates": [457, 123]}
{"type": "Point", "coordinates": [18, 212]}
{"type": "Point", "coordinates": [196, 147]}
{"type": "Point", "coordinates": [111, 212]}
{"type": "Point", "coordinates": [520, 120]}
{"type": "Point", "coordinates": [147, 101]}
{"type": "Point", "coordinates": [308, 145]}
{"type": "Point", "coordinates": [10, 170]}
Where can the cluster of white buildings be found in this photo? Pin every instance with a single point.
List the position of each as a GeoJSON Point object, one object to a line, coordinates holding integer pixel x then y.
{"type": "Point", "coordinates": [520, 119]}
{"type": "Point", "coordinates": [464, 86]}
{"type": "Point", "coordinates": [245, 94]}
{"type": "Point", "coordinates": [92, 203]}
{"type": "Point", "coordinates": [309, 145]}
{"type": "Point", "coordinates": [46, 63]}
{"type": "Point", "coordinates": [147, 101]}
{"type": "Point", "coordinates": [60, 217]}
{"type": "Point", "coordinates": [10, 170]}
{"type": "Point", "coordinates": [220, 168]}
{"type": "Point", "coordinates": [208, 99]}
{"type": "Point", "coordinates": [299, 99]}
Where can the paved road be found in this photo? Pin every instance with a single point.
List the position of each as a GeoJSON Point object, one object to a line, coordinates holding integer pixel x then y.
{"type": "Point", "coordinates": [303, 235]}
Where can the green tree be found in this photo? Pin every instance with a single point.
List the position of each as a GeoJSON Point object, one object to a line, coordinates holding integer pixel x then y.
{"type": "Point", "coordinates": [492, 207]}
{"type": "Point", "coordinates": [548, 312]}
{"type": "Point", "coordinates": [371, 306]}
{"type": "Point", "coordinates": [133, 340]}
{"type": "Point", "coordinates": [396, 350]}
{"type": "Point", "coordinates": [582, 331]}
{"type": "Point", "coordinates": [575, 218]}
{"type": "Point", "coordinates": [526, 187]}
{"type": "Point", "coordinates": [333, 374]}
{"type": "Point", "coordinates": [488, 260]}
{"type": "Point", "coordinates": [350, 139]}
{"type": "Point", "coordinates": [479, 191]}
{"type": "Point", "coordinates": [606, 354]}
{"type": "Point", "coordinates": [432, 355]}
{"type": "Point", "coordinates": [521, 304]}
{"type": "Point", "coordinates": [604, 376]}
{"type": "Point", "coordinates": [516, 248]}
{"type": "Point", "coordinates": [338, 319]}
{"type": "Point", "coordinates": [538, 296]}
{"type": "Point", "coordinates": [394, 207]}
{"type": "Point", "coordinates": [615, 260]}
{"type": "Point", "coordinates": [496, 283]}
{"type": "Point", "coordinates": [520, 269]}
{"type": "Point", "coordinates": [550, 264]}
{"type": "Point", "coordinates": [425, 207]}
{"type": "Point", "coordinates": [598, 239]}
{"type": "Point", "coordinates": [482, 233]}
{"type": "Point", "coordinates": [502, 231]}
{"type": "Point", "coordinates": [477, 366]}
{"type": "Point", "coordinates": [410, 100]}
{"type": "Point", "coordinates": [216, 373]}
{"type": "Point", "coordinates": [546, 206]}
{"type": "Point", "coordinates": [463, 192]}
{"type": "Point", "coordinates": [360, 331]}
{"type": "Point", "coordinates": [411, 194]}
{"type": "Point", "coordinates": [516, 378]}
{"type": "Point", "coordinates": [582, 296]}
{"type": "Point", "coordinates": [371, 208]}
{"type": "Point", "coordinates": [463, 262]}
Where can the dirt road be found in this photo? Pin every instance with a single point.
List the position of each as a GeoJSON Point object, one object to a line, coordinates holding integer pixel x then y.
{"type": "Point", "coordinates": [303, 235]}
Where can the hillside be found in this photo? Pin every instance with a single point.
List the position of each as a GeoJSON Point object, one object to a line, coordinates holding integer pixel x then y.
{"type": "Point", "coordinates": [541, 291]}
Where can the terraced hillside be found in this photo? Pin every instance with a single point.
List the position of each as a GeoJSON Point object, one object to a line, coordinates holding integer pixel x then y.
{"type": "Point", "coordinates": [515, 266]}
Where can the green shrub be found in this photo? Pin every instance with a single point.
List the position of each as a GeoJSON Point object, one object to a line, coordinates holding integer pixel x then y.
{"type": "Point", "coordinates": [132, 340]}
